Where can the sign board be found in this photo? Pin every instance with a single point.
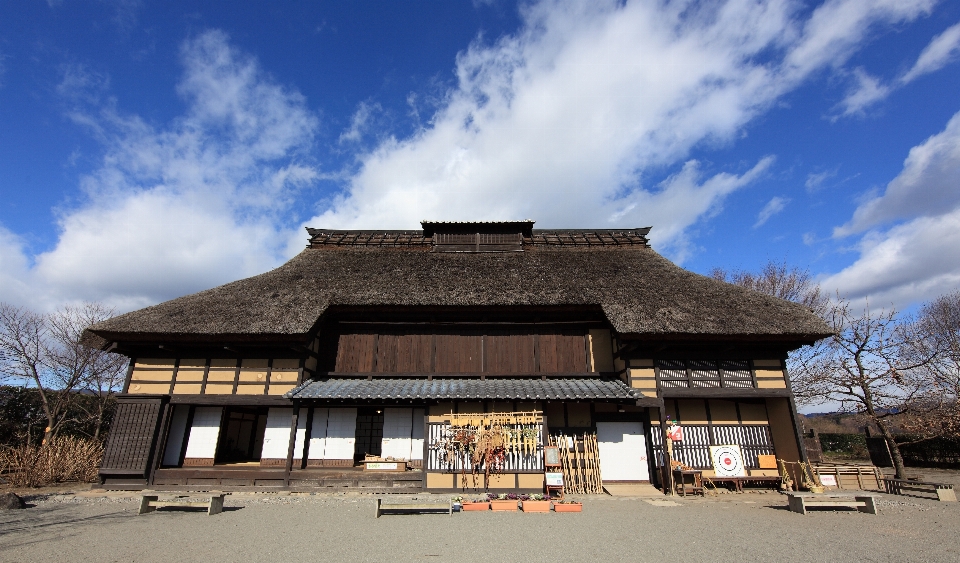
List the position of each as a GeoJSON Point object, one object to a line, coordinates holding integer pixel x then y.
{"type": "Point", "coordinates": [554, 479]}
{"type": "Point", "coordinates": [728, 461]}
{"type": "Point", "coordinates": [383, 466]}
{"type": "Point", "coordinates": [675, 433]}
{"type": "Point", "coordinates": [828, 480]}
{"type": "Point", "coordinates": [551, 455]}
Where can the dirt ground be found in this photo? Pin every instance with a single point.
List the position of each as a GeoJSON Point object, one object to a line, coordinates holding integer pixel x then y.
{"type": "Point", "coordinates": [70, 523]}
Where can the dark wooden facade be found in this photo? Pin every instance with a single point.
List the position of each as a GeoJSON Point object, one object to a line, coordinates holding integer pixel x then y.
{"type": "Point", "coordinates": [493, 349]}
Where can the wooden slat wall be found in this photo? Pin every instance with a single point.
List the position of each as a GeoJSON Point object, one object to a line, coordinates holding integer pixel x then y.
{"type": "Point", "coordinates": [459, 353]}
{"type": "Point", "coordinates": [404, 353]}
{"type": "Point", "coordinates": [466, 350]}
{"type": "Point", "coordinates": [131, 436]}
{"type": "Point", "coordinates": [510, 353]}
{"type": "Point", "coordinates": [355, 353]}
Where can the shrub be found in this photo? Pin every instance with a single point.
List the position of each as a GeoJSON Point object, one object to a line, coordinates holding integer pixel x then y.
{"type": "Point", "coordinates": [64, 459]}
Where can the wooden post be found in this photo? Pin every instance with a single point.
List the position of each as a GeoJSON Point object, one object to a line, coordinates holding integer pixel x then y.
{"type": "Point", "coordinates": [307, 435]}
{"type": "Point", "coordinates": [797, 433]}
{"type": "Point", "coordinates": [160, 438]}
{"type": "Point", "coordinates": [293, 443]}
{"type": "Point", "coordinates": [666, 473]}
{"type": "Point", "coordinates": [426, 444]}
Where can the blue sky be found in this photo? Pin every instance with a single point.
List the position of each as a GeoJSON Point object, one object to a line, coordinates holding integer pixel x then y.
{"type": "Point", "coordinates": [152, 149]}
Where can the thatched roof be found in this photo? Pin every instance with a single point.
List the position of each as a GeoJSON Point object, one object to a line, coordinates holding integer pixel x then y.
{"type": "Point", "coordinates": [639, 291]}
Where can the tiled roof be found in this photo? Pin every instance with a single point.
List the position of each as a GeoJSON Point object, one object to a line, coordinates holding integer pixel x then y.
{"type": "Point", "coordinates": [444, 389]}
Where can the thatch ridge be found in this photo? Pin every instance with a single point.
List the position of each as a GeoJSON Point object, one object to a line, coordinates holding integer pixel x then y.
{"type": "Point", "coordinates": [639, 291]}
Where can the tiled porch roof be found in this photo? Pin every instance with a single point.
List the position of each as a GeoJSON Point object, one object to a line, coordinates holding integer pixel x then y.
{"type": "Point", "coordinates": [499, 388]}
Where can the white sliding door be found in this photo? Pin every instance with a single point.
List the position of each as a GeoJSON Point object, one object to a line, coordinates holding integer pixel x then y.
{"type": "Point", "coordinates": [623, 451]}
{"type": "Point", "coordinates": [397, 433]}
{"type": "Point", "coordinates": [341, 435]}
{"type": "Point", "coordinates": [204, 432]}
{"type": "Point", "coordinates": [276, 438]}
{"type": "Point", "coordinates": [416, 441]}
{"type": "Point", "coordinates": [178, 431]}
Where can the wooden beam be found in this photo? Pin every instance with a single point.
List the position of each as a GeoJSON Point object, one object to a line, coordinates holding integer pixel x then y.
{"type": "Point", "coordinates": [231, 400]}
{"type": "Point", "coordinates": [722, 392]}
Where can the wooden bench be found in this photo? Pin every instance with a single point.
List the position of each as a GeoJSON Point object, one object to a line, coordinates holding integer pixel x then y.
{"type": "Point", "coordinates": [213, 502]}
{"type": "Point", "coordinates": [799, 502]}
{"type": "Point", "coordinates": [413, 508]}
{"type": "Point", "coordinates": [943, 491]}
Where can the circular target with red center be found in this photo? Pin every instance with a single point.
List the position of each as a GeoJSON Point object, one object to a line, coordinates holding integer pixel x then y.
{"type": "Point", "coordinates": [727, 461]}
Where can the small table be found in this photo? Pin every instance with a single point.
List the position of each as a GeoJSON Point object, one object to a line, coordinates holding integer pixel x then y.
{"type": "Point", "coordinates": [685, 480]}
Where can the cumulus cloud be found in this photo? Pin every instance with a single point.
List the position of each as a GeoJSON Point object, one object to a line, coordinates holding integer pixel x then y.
{"type": "Point", "coordinates": [916, 258]}
{"type": "Point", "coordinates": [572, 120]}
{"type": "Point", "coordinates": [942, 50]}
{"type": "Point", "coordinates": [907, 264]}
{"type": "Point", "coordinates": [188, 206]}
{"type": "Point", "coordinates": [927, 185]}
{"type": "Point", "coordinates": [774, 206]}
{"type": "Point", "coordinates": [564, 120]}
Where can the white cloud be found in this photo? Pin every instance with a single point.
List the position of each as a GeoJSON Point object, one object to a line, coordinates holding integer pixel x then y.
{"type": "Point", "coordinates": [917, 259]}
{"type": "Point", "coordinates": [815, 180]}
{"type": "Point", "coordinates": [942, 50]}
{"type": "Point", "coordinates": [904, 265]}
{"type": "Point", "coordinates": [565, 121]}
{"type": "Point", "coordinates": [360, 122]}
{"type": "Point", "coordinates": [15, 282]}
{"type": "Point", "coordinates": [927, 185]}
{"type": "Point", "coordinates": [774, 206]}
{"type": "Point", "coordinates": [562, 121]}
{"type": "Point", "coordinates": [867, 91]}
{"type": "Point", "coordinates": [186, 207]}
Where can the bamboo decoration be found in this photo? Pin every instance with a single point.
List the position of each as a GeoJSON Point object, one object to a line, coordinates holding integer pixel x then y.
{"type": "Point", "coordinates": [580, 462]}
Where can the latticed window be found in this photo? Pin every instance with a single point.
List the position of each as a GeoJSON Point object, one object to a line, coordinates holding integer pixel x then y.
{"type": "Point", "coordinates": [699, 374]}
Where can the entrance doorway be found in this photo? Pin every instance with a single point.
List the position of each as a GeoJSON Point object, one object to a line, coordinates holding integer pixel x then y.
{"type": "Point", "coordinates": [369, 433]}
{"type": "Point", "coordinates": [623, 451]}
{"type": "Point", "coordinates": [241, 438]}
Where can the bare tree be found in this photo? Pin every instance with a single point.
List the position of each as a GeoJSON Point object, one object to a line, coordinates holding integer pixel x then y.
{"type": "Point", "coordinates": [937, 335]}
{"type": "Point", "coordinates": [44, 351]}
{"type": "Point", "coordinates": [864, 368]}
{"type": "Point", "coordinates": [779, 280]}
{"type": "Point", "coordinates": [100, 373]}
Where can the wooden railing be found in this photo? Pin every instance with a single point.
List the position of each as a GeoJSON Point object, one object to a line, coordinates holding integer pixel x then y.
{"type": "Point", "coordinates": [694, 451]}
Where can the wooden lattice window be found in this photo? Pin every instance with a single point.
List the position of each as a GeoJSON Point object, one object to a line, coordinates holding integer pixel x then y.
{"type": "Point", "coordinates": [702, 374]}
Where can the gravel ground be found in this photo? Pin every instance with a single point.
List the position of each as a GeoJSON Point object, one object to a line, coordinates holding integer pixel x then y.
{"type": "Point", "coordinates": [90, 526]}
